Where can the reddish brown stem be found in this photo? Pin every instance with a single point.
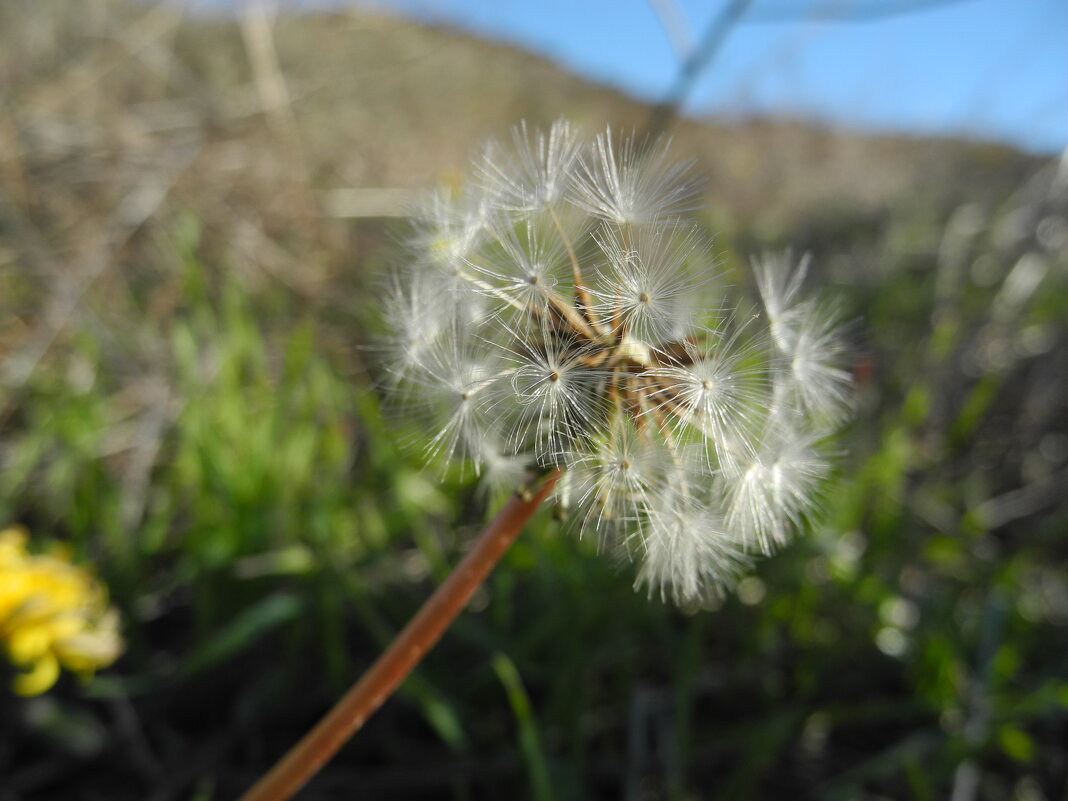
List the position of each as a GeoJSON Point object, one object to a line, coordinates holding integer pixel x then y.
{"type": "Point", "coordinates": [309, 755]}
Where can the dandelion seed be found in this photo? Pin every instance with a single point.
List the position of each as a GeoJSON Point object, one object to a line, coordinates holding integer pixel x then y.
{"type": "Point", "coordinates": [690, 556]}
{"type": "Point", "coordinates": [716, 388]}
{"type": "Point", "coordinates": [617, 475]}
{"type": "Point", "coordinates": [451, 226]}
{"type": "Point", "coordinates": [771, 490]}
{"type": "Point", "coordinates": [452, 385]}
{"type": "Point", "coordinates": [641, 185]}
{"type": "Point", "coordinates": [780, 283]}
{"type": "Point", "coordinates": [821, 386]}
{"type": "Point", "coordinates": [653, 285]}
{"type": "Point", "coordinates": [528, 267]}
{"type": "Point", "coordinates": [537, 174]}
{"type": "Point", "coordinates": [808, 337]}
{"type": "Point", "coordinates": [500, 468]}
{"type": "Point", "coordinates": [422, 321]}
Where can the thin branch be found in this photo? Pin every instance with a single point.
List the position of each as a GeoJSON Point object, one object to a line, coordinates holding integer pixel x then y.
{"type": "Point", "coordinates": [848, 12]}
{"type": "Point", "coordinates": [664, 113]}
{"type": "Point", "coordinates": [674, 24]}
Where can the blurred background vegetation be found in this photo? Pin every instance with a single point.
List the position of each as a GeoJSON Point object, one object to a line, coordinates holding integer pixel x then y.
{"type": "Point", "coordinates": [194, 216]}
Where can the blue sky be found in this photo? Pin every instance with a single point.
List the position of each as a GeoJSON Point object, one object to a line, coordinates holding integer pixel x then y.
{"type": "Point", "coordinates": [995, 69]}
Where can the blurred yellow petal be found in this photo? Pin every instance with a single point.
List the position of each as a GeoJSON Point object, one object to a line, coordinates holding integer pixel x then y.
{"type": "Point", "coordinates": [28, 644]}
{"type": "Point", "coordinates": [53, 614]}
{"type": "Point", "coordinates": [39, 678]}
{"type": "Point", "coordinates": [87, 650]}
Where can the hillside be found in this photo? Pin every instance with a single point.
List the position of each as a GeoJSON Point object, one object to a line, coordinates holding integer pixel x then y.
{"type": "Point", "coordinates": [118, 119]}
{"type": "Point", "coordinates": [134, 97]}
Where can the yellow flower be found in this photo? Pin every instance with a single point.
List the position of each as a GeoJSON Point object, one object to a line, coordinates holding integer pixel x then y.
{"type": "Point", "coordinates": [53, 614]}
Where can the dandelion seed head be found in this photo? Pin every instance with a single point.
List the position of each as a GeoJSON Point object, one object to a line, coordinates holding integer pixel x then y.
{"type": "Point", "coordinates": [556, 314]}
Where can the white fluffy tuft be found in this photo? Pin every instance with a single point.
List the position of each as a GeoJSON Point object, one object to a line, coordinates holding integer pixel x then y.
{"type": "Point", "coordinates": [555, 313]}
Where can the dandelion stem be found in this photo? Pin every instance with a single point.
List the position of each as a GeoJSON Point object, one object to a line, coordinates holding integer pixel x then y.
{"type": "Point", "coordinates": [309, 755]}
